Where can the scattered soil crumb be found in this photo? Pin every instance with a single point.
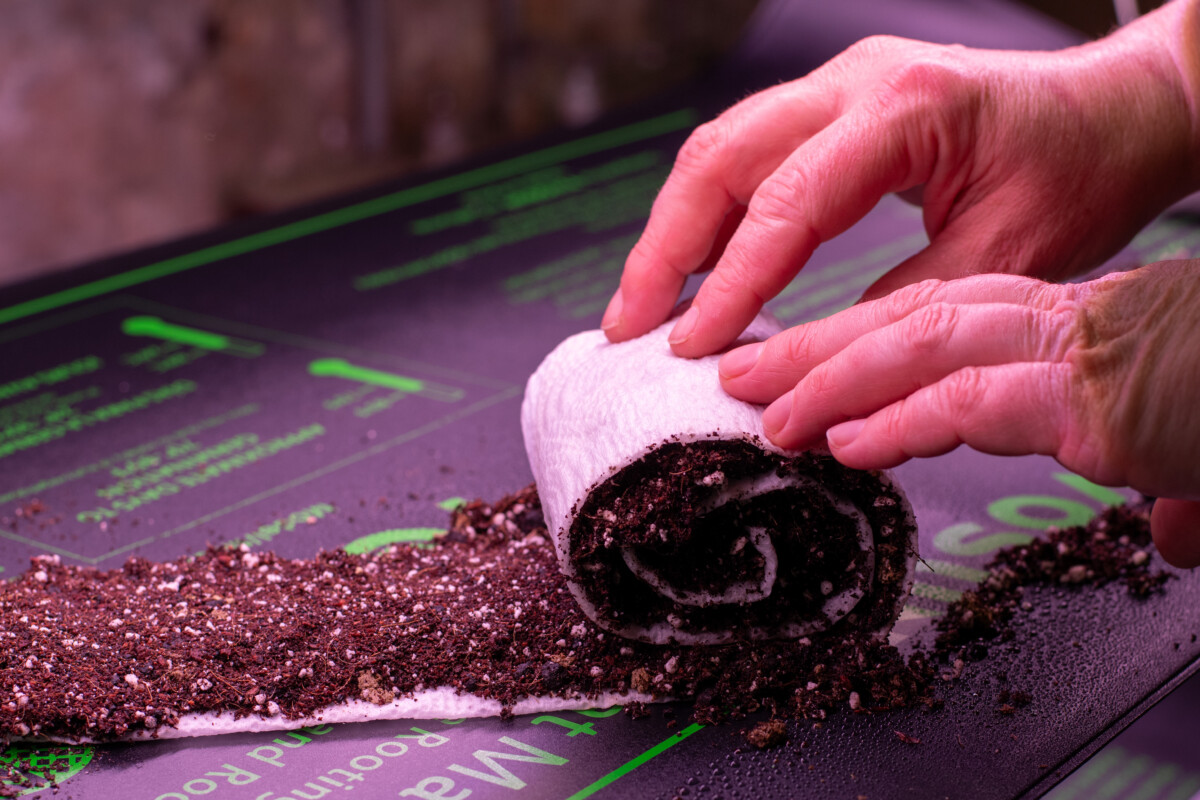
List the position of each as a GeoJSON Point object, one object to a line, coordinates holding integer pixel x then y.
{"type": "Point", "coordinates": [766, 735]}
{"type": "Point", "coordinates": [1112, 547]}
{"type": "Point", "coordinates": [371, 690]}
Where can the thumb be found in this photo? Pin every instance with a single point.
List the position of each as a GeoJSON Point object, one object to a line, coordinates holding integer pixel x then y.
{"type": "Point", "coordinates": [1175, 525]}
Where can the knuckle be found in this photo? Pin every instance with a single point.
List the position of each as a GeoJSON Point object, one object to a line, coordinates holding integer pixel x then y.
{"type": "Point", "coordinates": [652, 257]}
{"type": "Point", "coordinates": [917, 295]}
{"type": "Point", "coordinates": [706, 145]}
{"type": "Point", "coordinates": [1085, 442]}
{"type": "Point", "coordinates": [929, 328]}
{"type": "Point", "coordinates": [649, 251]}
{"type": "Point", "coordinates": [960, 393]}
{"type": "Point", "coordinates": [922, 77]}
{"type": "Point", "coordinates": [734, 277]}
{"type": "Point", "coordinates": [1035, 292]}
{"type": "Point", "coordinates": [896, 421]}
{"type": "Point", "coordinates": [1050, 387]}
{"type": "Point", "coordinates": [935, 73]}
{"type": "Point", "coordinates": [794, 346]}
{"type": "Point", "coordinates": [1068, 396]}
{"type": "Point", "coordinates": [1068, 338]}
{"type": "Point", "coordinates": [933, 94]}
{"type": "Point", "coordinates": [822, 386]}
{"type": "Point", "coordinates": [775, 202]}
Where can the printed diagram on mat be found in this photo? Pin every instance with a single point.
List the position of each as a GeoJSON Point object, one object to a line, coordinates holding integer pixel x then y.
{"type": "Point", "coordinates": [122, 412]}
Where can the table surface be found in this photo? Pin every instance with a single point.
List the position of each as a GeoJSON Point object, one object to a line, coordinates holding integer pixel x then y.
{"type": "Point", "coordinates": [393, 331]}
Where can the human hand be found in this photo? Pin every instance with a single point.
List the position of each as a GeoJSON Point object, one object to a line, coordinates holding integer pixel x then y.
{"type": "Point", "coordinates": [1103, 376]}
{"type": "Point", "coordinates": [1038, 164]}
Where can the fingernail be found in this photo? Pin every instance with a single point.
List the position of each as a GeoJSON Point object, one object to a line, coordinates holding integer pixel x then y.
{"type": "Point", "coordinates": [844, 433]}
{"type": "Point", "coordinates": [737, 363]}
{"type": "Point", "coordinates": [612, 314]}
{"type": "Point", "coordinates": [776, 415]}
{"type": "Point", "coordinates": [687, 323]}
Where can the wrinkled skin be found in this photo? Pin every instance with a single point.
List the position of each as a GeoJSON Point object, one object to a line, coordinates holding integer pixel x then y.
{"type": "Point", "coordinates": [1102, 375]}
{"type": "Point", "coordinates": [1029, 167]}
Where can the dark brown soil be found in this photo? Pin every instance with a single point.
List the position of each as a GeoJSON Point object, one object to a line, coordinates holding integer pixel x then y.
{"type": "Point", "coordinates": [658, 505]}
{"type": "Point", "coordinates": [106, 654]}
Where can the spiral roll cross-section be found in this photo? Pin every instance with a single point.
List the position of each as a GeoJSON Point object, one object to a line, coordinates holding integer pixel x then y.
{"type": "Point", "coordinates": [675, 520]}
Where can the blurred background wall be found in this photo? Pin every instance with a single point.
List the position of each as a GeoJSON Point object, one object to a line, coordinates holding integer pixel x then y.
{"type": "Point", "coordinates": [125, 122]}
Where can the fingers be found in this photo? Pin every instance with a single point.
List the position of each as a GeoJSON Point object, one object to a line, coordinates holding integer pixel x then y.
{"type": "Point", "coordinates": [647, 302]}
{"type": "Point", "coordinates": [1175, 525]}
{"type": "Point", "coordinates": [807, 159]}
{"type": "Point", "coordinates": [898, 360]}
{"type": "Point", "coordinates": [761, 373]}
{"type": "Point", "coordinates": [791, 212]}
{"type": "Point", "coordinates": [715, 173]}
{"type": "Point", "coordinates": [1013, 409]}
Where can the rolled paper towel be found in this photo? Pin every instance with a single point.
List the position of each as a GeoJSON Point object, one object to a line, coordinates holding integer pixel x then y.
{"type": "Point", "coordinates": [674, 518]}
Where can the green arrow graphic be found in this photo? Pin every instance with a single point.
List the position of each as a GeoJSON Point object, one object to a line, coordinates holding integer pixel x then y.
{"type": "Point", "coordinates": [156, 328]}
{"type": "Point", "coordinates": [340, 368]}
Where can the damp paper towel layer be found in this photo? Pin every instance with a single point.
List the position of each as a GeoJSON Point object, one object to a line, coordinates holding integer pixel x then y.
{"type": "Point", "coordinates": [440, 703]}
{"type": "Point", "coordinates": [675, 519]}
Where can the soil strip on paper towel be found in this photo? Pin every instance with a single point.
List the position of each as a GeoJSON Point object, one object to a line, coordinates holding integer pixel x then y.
{"type": "Point", "coordinates": [103, 655]}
